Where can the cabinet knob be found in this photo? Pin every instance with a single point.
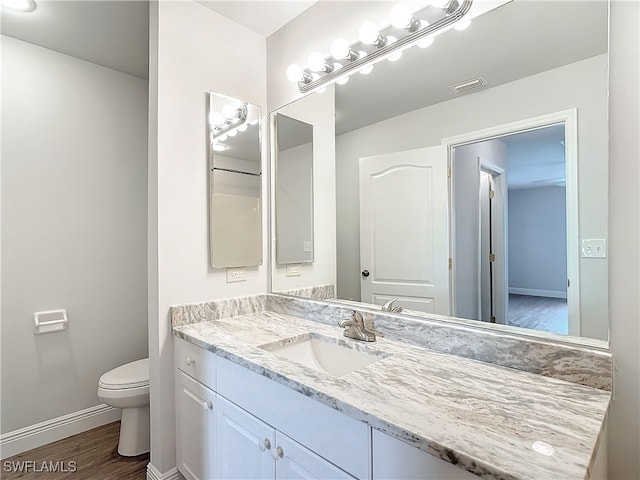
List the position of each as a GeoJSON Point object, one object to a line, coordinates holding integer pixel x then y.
{"type": "Point", "coordinates": [208, 405]}
{"type": "Point", "coordinates": [190, 361]}
{"type": "Point", "coordinates": [277, 453]}
{"type": "Point", "coordinates": [264, 445]}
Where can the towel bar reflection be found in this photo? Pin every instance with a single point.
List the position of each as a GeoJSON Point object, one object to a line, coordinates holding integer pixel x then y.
{"type": "Point", "coordinates": [236, 171]}
{"type": "Point", "coordinates": [49, 321]}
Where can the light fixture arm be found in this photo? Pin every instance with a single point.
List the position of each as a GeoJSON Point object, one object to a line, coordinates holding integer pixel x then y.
{"type": "Point", "coordinates": [454, 12]}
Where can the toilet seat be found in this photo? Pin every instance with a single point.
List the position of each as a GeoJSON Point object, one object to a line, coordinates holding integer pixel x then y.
{"type": "Point", "coordinates": [128, 376]}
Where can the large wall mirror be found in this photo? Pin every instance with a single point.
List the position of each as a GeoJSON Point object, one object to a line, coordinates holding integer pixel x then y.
{"type": "Point", "coordinates": [235, 220]}
{"type": "Point", "coordinates": [486, 203]}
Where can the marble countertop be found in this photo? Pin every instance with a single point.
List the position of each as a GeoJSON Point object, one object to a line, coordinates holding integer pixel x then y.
{"type": "Point", "coordinates": [492, 421]}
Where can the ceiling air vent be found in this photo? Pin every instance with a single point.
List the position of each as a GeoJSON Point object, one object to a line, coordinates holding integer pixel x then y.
{"type": "Point", "coordinates": [468, 85]}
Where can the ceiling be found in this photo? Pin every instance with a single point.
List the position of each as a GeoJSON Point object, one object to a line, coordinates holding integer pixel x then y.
{"type": "Point", "coordinates": [263, 17]}
{"type": "Point", "coordinates": [114, 34]}
{"type": "Point", "coordinates": [514, 41]}
{"type": "Point", "coordinates": [536, 158]}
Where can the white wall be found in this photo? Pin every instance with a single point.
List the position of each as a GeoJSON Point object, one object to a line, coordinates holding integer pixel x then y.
{"type": "Point", "coordinates": [624, 263]}
{"type": "Point", "coordinates": [317, 110]}
{"type": "Point", "coordinates": [74, 199]}
{"type": "Point", "coordinates": [321, 23]}
{"type": "Point", "coordinates": [538, 240]}
{"type": "Point", "coordinates": [581, 85]}
{"type": "Point", "coordinates": [192, 50]}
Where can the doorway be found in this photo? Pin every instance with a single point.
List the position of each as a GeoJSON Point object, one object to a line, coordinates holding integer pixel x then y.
{"type": "Point", "coordinates": [513, 243]}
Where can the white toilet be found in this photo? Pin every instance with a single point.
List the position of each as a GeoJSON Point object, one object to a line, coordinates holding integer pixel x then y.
{"type": "Point", "coordinates": [127, 387]}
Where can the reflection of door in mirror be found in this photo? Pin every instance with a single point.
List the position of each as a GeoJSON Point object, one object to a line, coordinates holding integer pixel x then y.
{"type": "Point", "coordinates": [294, 191]}
{"type": "Point", "coordinates": [402, 229]}
{"type": "Point", "coordinates": [235, 220]}
{"type": "Point", "coordinates": [522, 276]}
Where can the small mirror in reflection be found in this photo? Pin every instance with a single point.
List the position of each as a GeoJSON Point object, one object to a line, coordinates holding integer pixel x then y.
{"type": "Point", "coordinates": [294, 190]}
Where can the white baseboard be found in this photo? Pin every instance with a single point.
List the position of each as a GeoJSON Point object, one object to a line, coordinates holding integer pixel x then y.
{"type": "Point", "coordinates": [538, 293]}
{"type": "Point", "coordinates": [154, 474]}
{"type": "Point", "coordinates": [34, 436]}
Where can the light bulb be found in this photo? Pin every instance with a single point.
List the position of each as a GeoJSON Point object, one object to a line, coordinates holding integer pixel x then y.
{"type": "Point", "coordinates": [394, 57]}
{"type": "Point", "coordinates": [19, 5]}
{"type": "Point", "coordinates": [232, 133]}
{"type": "Point", "coordinates": [255, 122]}
{"type": "Point", "coordinates": [342, 80]}
{"type": "Point", "coordinates": [425, 42]}
{"type": "Point", "coordinates": [294, 73]}
{"type": "Point", "coordinates": [229, 111]}
{"type": "Point", "coordinates": [401, 16]}
{"type": "Point", "coordinates": [316, 62]}
{"type": "Point", "coordinates": [439, 3]}
{"type": "Point", "coordinates": [339, 49]}
{"type": "Point", "coordinates": [462, 24]}
{"type": "Point", "coordinates": [366, 70]}
{"type": "Point", "coordinates": [222, 138]}
{"type": "Point", "coordinates": [391, 39]}
{"type": "Point", "coordinates": [216, 118]}
{"type": "Point", "coordinates": [368, 33]}
{"type": "Point", "coordinates": [219, 147]}
{"type": "Point", "coordinates": [242, 127]}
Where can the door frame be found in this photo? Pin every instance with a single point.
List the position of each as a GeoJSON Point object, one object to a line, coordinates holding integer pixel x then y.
{"type": "Point", "coordinates": [570, 120]}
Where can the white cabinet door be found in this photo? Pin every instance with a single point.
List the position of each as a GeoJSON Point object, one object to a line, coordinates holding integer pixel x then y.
{"type": "Point", "coordinates": [395, 460]}
{"type": "Point", "coordinates": [195, 425]}
{"type": "Point", "coordinates": [244, 444]}
{"type": "Point", "coordinates": [300, 463]}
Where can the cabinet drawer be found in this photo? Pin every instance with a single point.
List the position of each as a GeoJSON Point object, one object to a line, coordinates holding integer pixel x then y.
{"type": "Point", "coordinates": [333, 435]}
{"type": "Point", "coordinates": [195, 361]}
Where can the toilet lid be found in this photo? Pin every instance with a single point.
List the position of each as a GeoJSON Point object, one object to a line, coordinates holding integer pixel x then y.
{"type": "Point", "coordinates": [130, 375]}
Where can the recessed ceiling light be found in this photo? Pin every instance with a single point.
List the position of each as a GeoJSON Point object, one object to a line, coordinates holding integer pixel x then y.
{"type": "Point", "coordinates": [19, 5]}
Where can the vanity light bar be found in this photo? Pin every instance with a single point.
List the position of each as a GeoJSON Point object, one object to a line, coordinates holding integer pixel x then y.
{"type": "Point", "coordinates": [361, 55]}
{"type": "Point", "coordinates": [232, 123]}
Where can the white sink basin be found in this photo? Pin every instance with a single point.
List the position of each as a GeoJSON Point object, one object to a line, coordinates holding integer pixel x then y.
{"type": "Point", "coordinates": [334, 356]}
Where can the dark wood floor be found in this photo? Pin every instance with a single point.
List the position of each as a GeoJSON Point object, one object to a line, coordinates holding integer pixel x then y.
{"type": "Point", "coordinates": [539, 313]}
{"type": "Point", "coordinates": [86, 456]}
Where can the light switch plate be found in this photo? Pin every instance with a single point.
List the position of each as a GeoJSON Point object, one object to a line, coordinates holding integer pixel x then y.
{"type": "Point", "coordinates": [294, 270]}
{"type": "Point", "coordinates": [594, 248]}
{"type": "Point", "coordinates": [236, 275]}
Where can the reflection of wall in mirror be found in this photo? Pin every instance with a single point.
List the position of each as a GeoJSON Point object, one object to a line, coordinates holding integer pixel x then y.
{"type": "Point", "coordinates": [294, 214]}
{"type": "Point", "coordinates": [235, 214]}
{"type": "Point", "coordinates": [581, 85]}
{"type": "Point", "coordinates": [317, 110]}
{"type": "Point", "coordinates": [537, 241]}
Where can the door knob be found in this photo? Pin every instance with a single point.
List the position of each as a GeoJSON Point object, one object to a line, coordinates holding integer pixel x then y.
{"type": "Point", "coordinates": [365, 273]}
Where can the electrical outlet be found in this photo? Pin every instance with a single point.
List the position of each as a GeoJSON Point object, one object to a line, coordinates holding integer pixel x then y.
{"type": "Point", "coordinates": [294, 270]}
{"type": "Point", "coordinates": [236, 275]}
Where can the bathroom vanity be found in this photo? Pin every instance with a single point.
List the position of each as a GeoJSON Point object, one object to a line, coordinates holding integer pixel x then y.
{"type": "Point", "coordinates": [263, 393]}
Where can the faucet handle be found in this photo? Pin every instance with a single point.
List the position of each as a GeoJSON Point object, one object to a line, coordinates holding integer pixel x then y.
{"type": "Point", "coordinates": [357, 318]}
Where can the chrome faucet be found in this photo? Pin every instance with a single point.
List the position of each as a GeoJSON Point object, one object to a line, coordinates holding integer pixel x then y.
{"type": "Point", "coordinates": [354, 328]}
{"type": "Point", "coordinates": [390, 308]}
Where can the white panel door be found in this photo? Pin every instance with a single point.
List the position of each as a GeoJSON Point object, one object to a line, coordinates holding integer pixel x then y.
{"type": "Point", "coordinates": [195, 422]}
{"type": "Point", "coordinates": [404, 247]}
{"type": "Point", "coordinates": [243, 444]}
{"type": "Point", "coordinates": [300, 463]}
